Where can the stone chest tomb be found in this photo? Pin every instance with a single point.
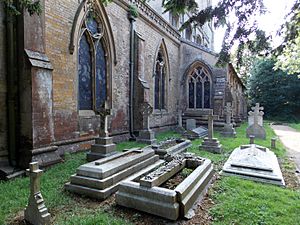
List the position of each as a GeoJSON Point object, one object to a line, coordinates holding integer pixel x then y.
{"type": "Point", "coordinates": [149, 194]}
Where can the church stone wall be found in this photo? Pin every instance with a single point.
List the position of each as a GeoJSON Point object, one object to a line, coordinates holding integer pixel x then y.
{"type": "Point", "coordinates": [3, 89]}
{"type": "Point", "coordinates": [59, 21]}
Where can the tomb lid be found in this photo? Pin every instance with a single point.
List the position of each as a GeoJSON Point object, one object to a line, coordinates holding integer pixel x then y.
{"type": "Point", "coordinates": [254, 162]}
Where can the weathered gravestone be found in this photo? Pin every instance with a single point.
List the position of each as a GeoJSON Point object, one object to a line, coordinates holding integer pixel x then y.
{"type": "Point", "coordinates": [146, 135]}
{"type": "Point", "coordinates": [210, 143]}
{"type": "Point", "coordinates": [255, 129]}
{"type": "Point", "coordinates": [190, 124]}
{"type": "Point", "coordinates": [228, 130]}
{"type": "Point", "coordinates": [36, 212]}
{"type": "Point", "coordinates": [148, 193]}
{"type": "Point", "coordinates": [254, 162]}
{"type": "Point", "coordinates": [104, 145]}
{"type": "Point", "coordinates": [198, 132]}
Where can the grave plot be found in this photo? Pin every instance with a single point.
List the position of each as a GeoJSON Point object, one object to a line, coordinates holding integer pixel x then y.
{"type": "Point", "coordinates": [150, 194]}
{"type": "Point", "coordinates": [171, 147]}
{"type": "Point", "coordinates": [99, 179]}
{"type": "Point", "coordinates": [256, 163]}
{"type": "Point", "coordinates": [196, 133]}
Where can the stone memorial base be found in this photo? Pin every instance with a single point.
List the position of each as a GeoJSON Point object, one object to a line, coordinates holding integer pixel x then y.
{"type": "Point", "coordinates": [147, 195]}
{"type": "Point", "coordinates": [146, 136]}
{"type": "Point", "coordinates": [257, 131]}
{"type": "Point", "coordinates": [211, 145]}
{"type": "Point", "coordinates": [228, 131]}
{"type": "Point", "coordinates": [36, 211]}
{"type": "Point", "coordinates": [254, 162]}
{"type": "Point", "coordinates": [103, 147]}
{"type": "Point", "coordinates": [99, 179]}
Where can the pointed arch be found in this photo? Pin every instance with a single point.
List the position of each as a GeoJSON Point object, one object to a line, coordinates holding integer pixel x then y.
{"type": "Point", "coordinates": [161, 77]}
{"type": "Point", "coordinates": [91, 21]}
{"type": "Point", "coordinates": [199, 82]}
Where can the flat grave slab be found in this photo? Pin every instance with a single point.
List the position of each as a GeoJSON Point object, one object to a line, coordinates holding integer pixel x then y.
{"type": "Point", "coordinates": [256, 163]}
{"type": "Point", "coordinates": [171, 147]}
{"type": "Point", "coordinates": [198, 132]}
{"type": "Point", "coordinates": [149, 195]}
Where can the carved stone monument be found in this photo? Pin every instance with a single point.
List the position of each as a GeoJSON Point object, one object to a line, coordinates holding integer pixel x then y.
{"type": "Point", "coordinates": [228, 130]}
{"type": "Point", "coordinates": [104, 145]}
{"type": "Point", "coordinates": [179, 127]}
{"type": "Point", "coordinates": [36, 211]}
{"type": "Point", "coordinates": [190, 124]}
{"type": "Point", "coordinates": [210, 143]}
{"type": "Point", "coordinates": [255, 129]}
{"type": "Point", "coordinates": [146, 135]}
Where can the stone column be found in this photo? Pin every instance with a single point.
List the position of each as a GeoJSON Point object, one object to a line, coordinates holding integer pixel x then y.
{"type": "Point", "coordinates": [146, 135]}
{"type": "Point", "coordinates": [210, 143]}
{"type": "Point", "coordinates": [36, 87]}
{"type": "Point", "coordinates": [104, 145]}
{"type": "Point", "coordinates": [36, 211]}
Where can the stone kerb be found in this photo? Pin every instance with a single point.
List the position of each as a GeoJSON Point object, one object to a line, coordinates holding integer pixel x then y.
{"type": "Point", "coordinates": [145, 194]}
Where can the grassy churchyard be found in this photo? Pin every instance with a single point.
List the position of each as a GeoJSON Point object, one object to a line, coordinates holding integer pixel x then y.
{"type": "Point", "coordinates": [230, 200]}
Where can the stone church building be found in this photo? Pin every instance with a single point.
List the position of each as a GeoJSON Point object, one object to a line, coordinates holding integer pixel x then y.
{"type": "Point", "coordinates": [60, 68]}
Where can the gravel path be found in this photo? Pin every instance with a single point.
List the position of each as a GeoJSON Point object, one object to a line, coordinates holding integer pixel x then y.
{"type": "Point", "coordinates": [291, 140]}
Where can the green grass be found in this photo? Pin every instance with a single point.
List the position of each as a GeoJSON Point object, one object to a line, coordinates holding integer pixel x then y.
{"type": "Point", "coordinates": [295, 126]}
{"type": "Point", "coordinates": [238, 201]}
{"type": "Point", "coordinates": [246, 202]}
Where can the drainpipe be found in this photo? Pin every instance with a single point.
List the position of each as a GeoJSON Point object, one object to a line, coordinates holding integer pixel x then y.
{"type": "Point", "coordinates": [131, 76]}
{"type": "Point", "coordinates": [11, 87]}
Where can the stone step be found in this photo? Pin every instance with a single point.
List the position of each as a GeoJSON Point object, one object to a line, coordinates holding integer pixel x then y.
{"type": "Point", "coordinates": [105, 193]}
{"type": "Point", "coordinates": [109, 181]}
{"type": "Point", "coordinates": [100, 170]}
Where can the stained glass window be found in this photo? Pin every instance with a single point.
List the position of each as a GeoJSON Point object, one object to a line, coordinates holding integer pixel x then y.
{"type": "Point", "coordinates": [92, 79]}
{"type": "Point", "coordinates": [160, 81]}
{"type": "Point", "coordinates": [199, 89]}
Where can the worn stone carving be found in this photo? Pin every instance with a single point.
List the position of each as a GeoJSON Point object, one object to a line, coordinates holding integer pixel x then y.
{"type": "Point", "coordinates": [146, 135]}
{"type": "Point", "coordinates": [228, 130]}
{"type": "Point", "coordinates": [36, 212]}
{"type": "Point", "coordinates": [255, 129]}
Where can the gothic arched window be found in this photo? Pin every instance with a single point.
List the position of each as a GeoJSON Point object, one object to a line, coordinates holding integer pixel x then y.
{"type": "Point", "coordinates": [199, 89]}
{"type": "Point", "coordinates": [92, 79]}
{"type": "Point", "coordinates": [160, 81]}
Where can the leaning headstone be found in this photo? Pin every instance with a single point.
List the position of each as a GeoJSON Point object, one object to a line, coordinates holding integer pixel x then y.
{"type": "Point", "coordinates": [228, 130]}
{"type": "Point", "coordinates": [190, 124]}
{"type": "Point", "coordinates": [198, 132]}
{"type": "Point", "coordinates": [104, 145]}
{"type": "Point", "coordinates": [36, 211]}
{"type": "Point", "coordinates": [254, 162]}
{"type": "Point", "coordinates": [210, 143]}
{"type": "Point", "coordinates": [255, 129]}
{"type": "Point", "coordinates": [146, 135]}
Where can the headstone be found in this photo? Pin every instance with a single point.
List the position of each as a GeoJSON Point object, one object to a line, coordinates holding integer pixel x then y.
{"type": "Point", "coordinates": [146, 135]}
{"type": "Point", "coordinates": [210, 143]}
{"type": "Point", "coordinates": [36, 211]}
{"type": "Point", "coordinates": [190, 124]}
{"type": "Point", "coordinates": [255, 129]}
{"type": "Point", "coordinates": [228, 130]}
{"type": "Point", "coordinates": [254, 162]}
{"type": "Point", "coordinates": [179, 118]}
{"type": "Point", "coordinates": [104, 145]}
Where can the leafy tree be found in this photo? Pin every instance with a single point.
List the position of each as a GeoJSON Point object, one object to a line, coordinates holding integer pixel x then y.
{"type": "Point", "coordinates": [15, 7]}
{"type": "Point", "coordinates": [277, 91]}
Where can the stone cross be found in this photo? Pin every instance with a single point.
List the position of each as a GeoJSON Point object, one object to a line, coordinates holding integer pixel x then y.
{"type": "Point", "coordinates": [256, 112]}
{"type": "Point", "coordinates": [36, 211]}
{"type": "Point", "coordinates": [34, 174]}
{"type": "Point", "coordinates": [104, 112]}
{"type": "Point", "coordinates": [146, 110]}
{"type": "Point", "coordinates": [210, 124]}
{"type": "Point", "coordinates": [228, 112]}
